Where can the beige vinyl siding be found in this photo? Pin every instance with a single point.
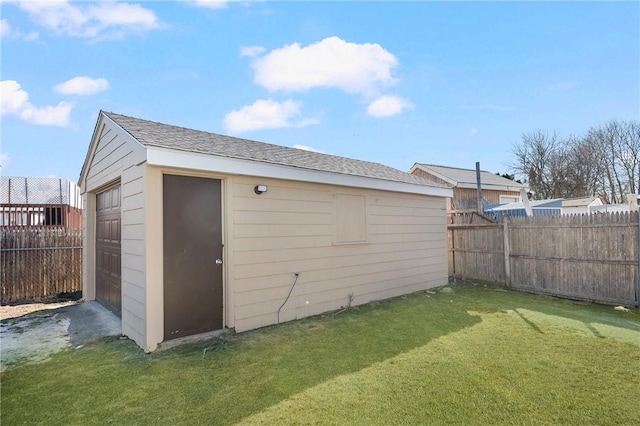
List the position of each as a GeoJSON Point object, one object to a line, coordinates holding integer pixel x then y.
{"type": "Point", "coordinates": [430, 177]}
{"type": "Point", "coordinates": [350, 218]}
{"type": "Point", "coordinates": [467, 198]}
{"type": "Point", "coordinates": [88, 246]}
{"type": "Point", "coordinates": [133, 253]}
{"type": "Point", "coordinates": [292, 228]}
{"type": "Point", "coordinates": [113, 154]}
{"type": "Point", "coordinates": [114, 159]}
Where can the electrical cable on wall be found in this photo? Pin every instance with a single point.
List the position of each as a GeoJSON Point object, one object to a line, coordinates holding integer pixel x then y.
{"type": "Point", "coordinates": [288, 295]}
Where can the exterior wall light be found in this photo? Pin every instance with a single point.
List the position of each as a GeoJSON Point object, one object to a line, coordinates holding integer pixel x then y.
{"type": "Point", "coordinates": [259, 189]}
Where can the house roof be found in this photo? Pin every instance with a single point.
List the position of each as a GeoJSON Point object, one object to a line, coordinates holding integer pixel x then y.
{"type": "Point", "coordinates": [158, 135]}
{"type": "Point", "coordinates": [466, 178]}
{"type": "Point", "coordinates": [581, 202]}
{"type": "Point", "coordinates": [555, 203]}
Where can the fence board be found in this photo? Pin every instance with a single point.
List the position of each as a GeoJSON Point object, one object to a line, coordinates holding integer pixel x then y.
{"type": "Point", "coordinates": [590, 257]}
{"type": "Point", "coordinates": [39, 263]}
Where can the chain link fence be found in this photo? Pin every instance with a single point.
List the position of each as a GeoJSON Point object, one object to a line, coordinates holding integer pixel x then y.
{"type": "Point", "coordinates": [39, 263]}
{"type": "Point", "coordinates": [39, 191]}
{"type": "Point", "coordinates": [41, 236]}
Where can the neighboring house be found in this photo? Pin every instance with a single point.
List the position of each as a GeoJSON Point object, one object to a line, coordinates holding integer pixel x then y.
{"type": "Point", "coordinates": [39, 202]}
{"type": "Point", "coordinates": [188, 232]}
{"type": "Point", "coordinates": [612, 208]}
{"type": "Point", "coordinates": [584, 205]}
{"type": "Point", "coordinates": [495, 189]}
{"type": "Point", "coordinates": [538, 208]}
{"type": "Point", "coordinates": [554, 207]}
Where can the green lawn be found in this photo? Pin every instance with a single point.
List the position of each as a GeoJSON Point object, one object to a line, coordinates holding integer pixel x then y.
{"type": "Point", "coordinates": [475, 356]}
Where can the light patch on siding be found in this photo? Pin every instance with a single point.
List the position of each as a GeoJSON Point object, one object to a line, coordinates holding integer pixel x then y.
{"type": "Point", "coordinates": [351, 218]}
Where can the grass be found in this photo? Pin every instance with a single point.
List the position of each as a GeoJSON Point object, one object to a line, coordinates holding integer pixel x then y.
{"type": "Point", "coordinates": [476, 356]}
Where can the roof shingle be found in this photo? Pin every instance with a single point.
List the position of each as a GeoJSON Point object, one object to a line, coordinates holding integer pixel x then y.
{"type": "Point", "coordinates": [468, 176]}
{"type": "Point", "coordinates": [153, 134]}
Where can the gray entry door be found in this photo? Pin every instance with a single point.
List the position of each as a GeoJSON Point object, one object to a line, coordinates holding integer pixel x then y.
{"type": "Point", "coordinates": [108, 251]}
{"type": "Point", "coordinates": [192, 244]}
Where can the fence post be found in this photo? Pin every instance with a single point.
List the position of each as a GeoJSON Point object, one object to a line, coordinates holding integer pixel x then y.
{"type": "Point", "coordinates": [637, 214]}
{"type": "Point", "coordinates": [507, 264]}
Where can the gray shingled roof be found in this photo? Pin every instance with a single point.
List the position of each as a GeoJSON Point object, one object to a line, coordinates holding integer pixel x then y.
{"type": "Point", "coordinates": [469, 176]}
{"type": "Point", "coordinates": [153, 134]}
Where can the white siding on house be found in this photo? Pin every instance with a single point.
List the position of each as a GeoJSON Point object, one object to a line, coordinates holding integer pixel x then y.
{"type": "Point", "coordinates": [292, 228]}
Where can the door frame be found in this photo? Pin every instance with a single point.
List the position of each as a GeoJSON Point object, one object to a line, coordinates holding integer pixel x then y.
{"type": "Point", "coordinates": [224, 191]}
{"type": "Point", "coordinates": [94, 235]}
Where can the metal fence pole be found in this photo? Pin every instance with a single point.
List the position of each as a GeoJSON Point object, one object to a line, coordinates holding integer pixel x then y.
{"type": "Point", "coordinates": [507, 263]}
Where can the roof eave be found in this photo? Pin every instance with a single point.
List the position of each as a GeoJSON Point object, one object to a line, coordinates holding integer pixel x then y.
{"type": "Point", "coordinates": [163, 157]}
{"type": "Point", "coordinates": [493, 187]}
{"type": "Point", "coordinates": [433, 172]}
{"type": "Point", "coordinates": [103, 121]}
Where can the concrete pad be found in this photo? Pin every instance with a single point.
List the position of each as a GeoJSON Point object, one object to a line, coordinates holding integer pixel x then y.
{"type": "Point", "coordinates": [34, 337]}
{"type": "Point", "coordinates": [90, 320]}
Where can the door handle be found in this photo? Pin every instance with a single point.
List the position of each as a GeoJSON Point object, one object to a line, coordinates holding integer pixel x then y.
{"type": "Point", "coordinates": [218, 261]}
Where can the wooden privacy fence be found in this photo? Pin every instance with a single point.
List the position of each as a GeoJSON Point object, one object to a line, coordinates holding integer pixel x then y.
{"type": "Point", "coordinates": [589, 257]}
{"type": "Point", "coordinates": [39, 263]}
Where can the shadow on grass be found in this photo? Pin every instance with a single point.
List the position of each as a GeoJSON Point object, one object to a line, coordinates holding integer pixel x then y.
{"type": "Point", "coordinates": [599, 320]}
{"type": "Point", "coordinates": [225, 380]}
{"type": "Point", "coordinates": [529, 322]}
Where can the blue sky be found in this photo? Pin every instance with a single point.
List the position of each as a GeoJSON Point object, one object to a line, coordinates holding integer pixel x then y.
{"type": "Point", "coordinates": [447, 83]}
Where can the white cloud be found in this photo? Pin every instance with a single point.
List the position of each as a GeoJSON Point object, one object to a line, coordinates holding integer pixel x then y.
{"type": "Point", "coordinates": [473, 131]}
{"type": "Point", "coordinates": [387, 106]}
{"type": "Point", "coordinates": [48, 115]}
{"type": "Point", "coordinates": [5, 28]}
{"type": "Point", "coordinates": [33, 35]}
{"type": "Point", "coordinates": [15, 101]}
{"type": "Point", "coordinates": [209, 4]}
{"type": "Point", "coordinates": [82, 86]}
{"type": "Point", "coordinates": [251, 51]}
{"type": "Point", "coordinates": [7, 31]}
{"type": "Point", "coordinates": [266, 114]}
{"type": "Point", "coordinates": [106, 19]}
{"type": "Point", "coordinates": [13, 98]}
{"type": "Point", "coordinates": [355, 68]}
{"type": "Point", "coordinates": [309, 148]}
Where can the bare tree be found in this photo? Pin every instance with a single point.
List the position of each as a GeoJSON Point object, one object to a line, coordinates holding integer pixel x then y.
{"type": "Point", "coordinates": [539, 159]}
{"type": "Point", "coordinates": [617, 159]}
{"type": "Point", "coordinates": [629, 155]}
{"type": "Point", "coordinates": [604, 163]}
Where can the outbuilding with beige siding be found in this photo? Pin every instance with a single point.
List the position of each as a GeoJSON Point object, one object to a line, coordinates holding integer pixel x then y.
{"type": "Point", "coordinates": [188, 232]}
{"type": "Point", "coordinates": [495, 189]}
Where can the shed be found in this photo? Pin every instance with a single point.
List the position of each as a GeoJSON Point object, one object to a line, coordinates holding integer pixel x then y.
{"type": "Point", "coordinates": [583, 205]}
{"type": "Point", "coordinates": [495, 188]}
{"type": "Point", "coordinates": [188, 232]}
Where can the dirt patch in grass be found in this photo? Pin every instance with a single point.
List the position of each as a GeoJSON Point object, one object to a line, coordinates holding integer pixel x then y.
{"type": "Point", "coordinates": [24, 307]}
{"type": "Point", "coordinates": [15, 311]}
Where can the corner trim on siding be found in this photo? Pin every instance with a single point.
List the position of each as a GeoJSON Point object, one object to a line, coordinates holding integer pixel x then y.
{"type": "Point", "coordinates": [180, 159]}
